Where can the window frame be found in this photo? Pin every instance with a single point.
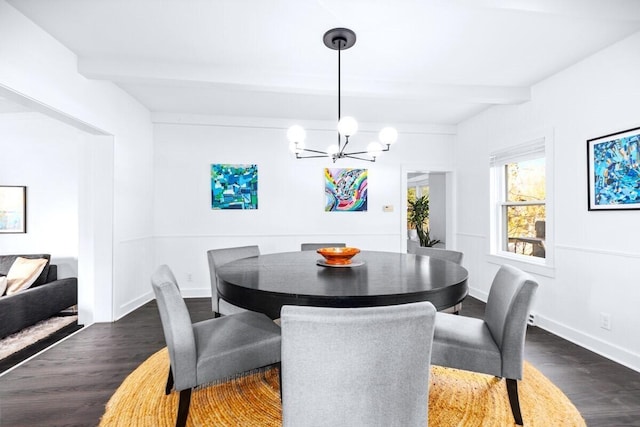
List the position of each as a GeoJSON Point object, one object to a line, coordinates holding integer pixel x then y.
{"type": "Point", "coordinates": [540, 143]}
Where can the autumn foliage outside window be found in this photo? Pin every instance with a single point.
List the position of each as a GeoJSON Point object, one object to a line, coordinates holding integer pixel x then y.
{"type": "Point", "coordinates": [523, 207]}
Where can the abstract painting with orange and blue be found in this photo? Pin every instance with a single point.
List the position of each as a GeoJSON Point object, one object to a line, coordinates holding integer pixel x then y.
{"type": "Point", "coordinates": [345, 190]}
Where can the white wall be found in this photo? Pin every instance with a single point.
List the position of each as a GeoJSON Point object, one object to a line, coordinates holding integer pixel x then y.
{"type": "Point", "coordinates": [42, 154]}
{"type": "Point", "coordinates": [290, 192]}
{"type": "Point", "coordinates": [37, 67]}
{"type": "Point", "coordinates": [596, 253]}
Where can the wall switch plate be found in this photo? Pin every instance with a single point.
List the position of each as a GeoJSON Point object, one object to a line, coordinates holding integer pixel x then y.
{"type": "Point", "coordinates": [387, 208]}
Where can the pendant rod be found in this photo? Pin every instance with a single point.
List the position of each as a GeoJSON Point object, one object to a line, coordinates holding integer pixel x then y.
{"type": "Point", "coordinates": [339, 109]}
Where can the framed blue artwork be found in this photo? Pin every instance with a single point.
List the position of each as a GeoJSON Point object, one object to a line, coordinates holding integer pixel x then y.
{"type": "Point", "coordinates": [345, 190]}
{"type": "Point", "coordinates": [234, 186]}
{"type": "Point", "coordinates": [613, 170]}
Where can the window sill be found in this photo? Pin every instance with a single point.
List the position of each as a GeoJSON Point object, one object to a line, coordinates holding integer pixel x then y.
{"type": "Point", "coordinates": [540, 267]}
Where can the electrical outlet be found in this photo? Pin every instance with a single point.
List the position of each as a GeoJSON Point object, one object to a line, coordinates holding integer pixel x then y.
{"type": "Point", "coordinates": [189, 277]}
{"type": "Point", "coordinates": [605, 321]}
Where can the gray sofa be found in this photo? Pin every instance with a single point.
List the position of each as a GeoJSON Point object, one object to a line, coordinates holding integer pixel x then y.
{"type": "Point", "coordinates": [46, 297]}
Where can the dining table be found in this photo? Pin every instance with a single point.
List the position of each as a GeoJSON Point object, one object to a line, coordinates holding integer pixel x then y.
{"type": "Point", "coordinates": [265, 283]}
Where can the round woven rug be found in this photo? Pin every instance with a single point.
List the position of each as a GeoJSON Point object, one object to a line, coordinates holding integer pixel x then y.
{"type": "Point", "coordinates": [456, 398]}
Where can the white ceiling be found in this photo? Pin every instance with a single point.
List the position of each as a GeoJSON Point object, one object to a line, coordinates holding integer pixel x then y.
{"type": "Point", "coordinates": [415, 61]}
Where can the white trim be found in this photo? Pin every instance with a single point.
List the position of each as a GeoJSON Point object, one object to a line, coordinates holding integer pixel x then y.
{"type": "Point", "coordinates": [598, 251]}
{"type": "Point", "coordinates": [132, 305]}
{"type": "Point", "coordinates": [474, 235]}
{"type": "Point", "coordinates": [537, 143]}
{"type": "Point", "coordinates": [525, 263]}
{"type": "Point", "coordinates": [160, 118]}
{"type": "Point", "coordinates": [529, 150]}
{"type": "Point", "coordinates": [605, 349]}
{"type": "Point", "coordinates": [60, 341]}
{"type": "Point", "coordinates": [283, 235]}
{"type": "Point", "coordinates": [612, 352]}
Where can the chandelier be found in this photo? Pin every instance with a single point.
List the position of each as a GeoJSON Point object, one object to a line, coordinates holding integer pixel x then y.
{"type": "Point", "coordinates": [341, 39]}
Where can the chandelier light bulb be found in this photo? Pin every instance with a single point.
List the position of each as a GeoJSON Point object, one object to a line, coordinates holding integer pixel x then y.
{"type": "Point", "coordinates": [347, 126]}
{"type": "Point", "coordinates": [332, 150]}
{"type": "Point", "coordinates": [388, 135]}
{"type": "Point", "coordinates": [374, 149]}
{"type": "Point", "coordinates": [296, 133]}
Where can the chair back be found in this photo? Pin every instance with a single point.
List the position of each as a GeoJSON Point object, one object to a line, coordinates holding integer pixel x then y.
{"type": "Point", "coordinates": [506, 315]}
{"type": "Point", "coordinates": [219, 257]}
{"type": "Point", "coordinates": [314, 246]}
{"type": "Point", "coordinates": [164, 274]}
{"type": "Point", "coordinates": [356, 366]}
{"type": "Point", "coordinates": [177, 327]}
{"type": "Point", "coordinates": [446, 254]}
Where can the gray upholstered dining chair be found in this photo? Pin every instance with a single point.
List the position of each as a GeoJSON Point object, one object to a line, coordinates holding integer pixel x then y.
{"type": "Point", "coordinates": [493, 345]}
{"type": "Point", "coordinates": [210, 350]}
{"type": "Point", "coordinates": [446, 254]}
{"type": "Point", "coordinates": [314, 246]}
{"type": "Point", "coordinates": [217, 258]}
{"type": "Point", "coordinates": [356, 366]}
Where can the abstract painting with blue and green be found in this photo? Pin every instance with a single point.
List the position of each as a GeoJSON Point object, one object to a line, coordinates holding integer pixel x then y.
{"type": "Point", "coordinates": [234, 186]}
{"type": "Point", "coordinates": [345, 190]}
{"type": "Point", "coordinates": [616, 169]}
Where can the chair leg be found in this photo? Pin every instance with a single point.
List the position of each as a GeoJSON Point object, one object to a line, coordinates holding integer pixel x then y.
{"type": "Point", "coordinates": [457, 308]}
{"type": "Point", "coordinates": [169, 386]}
{"type": "Point", "coordinates": [279, 365]}
{"type": "Point", "coordinates": [183, 407]}
{"type": "Point", "coordinates": [217, 314]}
{"type": "Point", "coordinates": [512, 390]}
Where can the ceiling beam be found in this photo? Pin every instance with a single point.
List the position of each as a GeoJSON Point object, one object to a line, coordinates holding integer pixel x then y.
{"type": "Point", "coordinates": [617, 10]}
{"type": "Point", "coordinates": [172, 74]}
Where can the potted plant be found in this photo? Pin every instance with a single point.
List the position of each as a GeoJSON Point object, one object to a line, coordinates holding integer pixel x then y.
{"type": "Point", "coordinates": [418, 218]}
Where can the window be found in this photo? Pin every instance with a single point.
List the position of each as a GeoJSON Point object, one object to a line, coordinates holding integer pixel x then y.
{"type": "Point", "coordinates": [519, 202]}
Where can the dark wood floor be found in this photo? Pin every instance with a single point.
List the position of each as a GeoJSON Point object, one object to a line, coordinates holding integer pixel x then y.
{"type": "Point", "coordinates": [69, 384]}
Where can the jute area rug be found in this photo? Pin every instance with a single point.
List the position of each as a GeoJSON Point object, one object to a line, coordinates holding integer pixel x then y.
{"type": "Point", "coordinates": [456, 398]}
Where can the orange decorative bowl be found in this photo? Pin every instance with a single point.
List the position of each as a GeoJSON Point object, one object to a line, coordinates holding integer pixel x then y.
{"type": "Point", "coordinates": [338, 256]}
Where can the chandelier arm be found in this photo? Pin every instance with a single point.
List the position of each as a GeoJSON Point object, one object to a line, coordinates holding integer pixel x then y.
{"type": "Point", "coordinates": [315, 151]}
{"type": "Point", "coordinates": [356, 152]}
{"type": "Point", "coordinates": [346, 142]}
{"type": "Point", "coordinates": [298, 156]}
{"type": "Point", "coordinates": [359, 158]}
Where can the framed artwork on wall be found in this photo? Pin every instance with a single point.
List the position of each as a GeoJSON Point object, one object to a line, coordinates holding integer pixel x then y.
{"type": "Point", "coordinates": [234, 186]}
{"type": "Point", "coordinates": [13, 209]}
{"type": "Point", "coordinates": [613, 171]}
{"type": "Point", "coordinates": [345, 190]}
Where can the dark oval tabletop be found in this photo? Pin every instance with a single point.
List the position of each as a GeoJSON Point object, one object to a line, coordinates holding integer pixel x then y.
{"type": "Point", "coordinates": [267, 282]}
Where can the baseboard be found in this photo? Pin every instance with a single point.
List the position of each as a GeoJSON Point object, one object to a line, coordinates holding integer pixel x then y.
{"type": "Point", "coordinates": [133, 305]}
{"type": "Point", "coordinates": [22, 355]}
{"type": "Point", "coordinates": [617, 354]}
{"type": "Point", "coordinates": [195, 293]}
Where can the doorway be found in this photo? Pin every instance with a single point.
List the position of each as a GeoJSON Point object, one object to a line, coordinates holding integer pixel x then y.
{"type": "Point", "coordinates": [438, 185]}
{"type": "Point", "coordinates": [92, 261]}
